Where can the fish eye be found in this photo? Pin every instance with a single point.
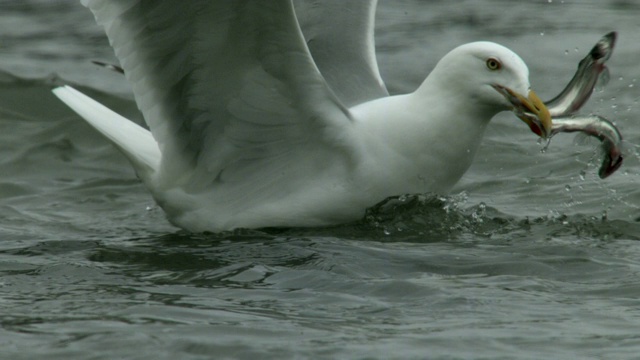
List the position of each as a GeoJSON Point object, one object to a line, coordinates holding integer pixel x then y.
{"type": "Point", "coordinates": [494, 64]}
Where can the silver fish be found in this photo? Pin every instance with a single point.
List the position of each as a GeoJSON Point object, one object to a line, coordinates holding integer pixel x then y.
{"type": "Point", "coordinates": [581, 86]}
{"type": "Point", "coordinates": [563, 107]}
{"type": "Point", "coordinates": [576, 94]}
{"type": "Point", "coordinates": [600, 128]}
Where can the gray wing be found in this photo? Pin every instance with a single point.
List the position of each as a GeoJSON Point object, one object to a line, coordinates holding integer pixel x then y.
{"type": "Point", "coordinates": [227, 87]}
{"type": "Point", "coordinates": [340, 36]}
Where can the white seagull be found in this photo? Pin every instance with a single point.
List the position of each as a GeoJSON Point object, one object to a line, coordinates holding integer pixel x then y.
{"type": "Point", "coordinates": [249, 130]}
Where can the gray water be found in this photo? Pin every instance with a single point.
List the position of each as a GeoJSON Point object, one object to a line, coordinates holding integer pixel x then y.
{"type": "Point", "coordinates": [532, 256]}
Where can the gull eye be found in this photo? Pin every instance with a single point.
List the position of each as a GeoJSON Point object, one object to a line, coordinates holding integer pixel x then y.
{"type": "Point", "coordinates": [494, 64]}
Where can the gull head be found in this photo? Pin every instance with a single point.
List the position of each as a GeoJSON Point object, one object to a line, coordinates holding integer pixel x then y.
{"type": "Point", "coordinates": [491, 76]}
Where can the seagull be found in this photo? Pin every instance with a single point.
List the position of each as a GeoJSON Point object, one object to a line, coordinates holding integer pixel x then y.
{"type": "Point", "coordinates": [274, 114]}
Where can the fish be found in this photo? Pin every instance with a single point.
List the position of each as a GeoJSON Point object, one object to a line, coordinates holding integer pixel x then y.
{"type": "Point", "coordinates": [563, 107]}
{"type": "Point", "coordinates": [590, 70]}
{"type": "Point", "coordinates": [600, 128]}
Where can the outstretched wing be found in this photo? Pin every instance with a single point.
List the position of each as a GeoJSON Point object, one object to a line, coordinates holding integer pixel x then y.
{"type": "Point", "coordinates": [227, 87]}
{"type": "Point", "coordinates": [340, 36]}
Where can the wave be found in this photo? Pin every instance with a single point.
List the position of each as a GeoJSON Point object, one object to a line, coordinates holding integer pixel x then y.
{"type": "Point", "coordinates": [430, 218]}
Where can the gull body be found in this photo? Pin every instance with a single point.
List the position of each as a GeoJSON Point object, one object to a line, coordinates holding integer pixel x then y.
{"type": "Point", "coordinates": [246, 131]}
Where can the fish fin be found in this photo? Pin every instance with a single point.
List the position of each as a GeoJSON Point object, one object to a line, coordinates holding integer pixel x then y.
{"type": "Point", "coordinates": [585, 139]}
{"type": "Point", "coordinates": [603, 79]}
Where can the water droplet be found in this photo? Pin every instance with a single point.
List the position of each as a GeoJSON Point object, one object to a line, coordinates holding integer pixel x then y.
{"type": "Point", "coordinates": [583, 175]}
{"type": "Point", "coordinates": [566, 52]}
{"type": "Point", "coordinates": [544, 143]}
{"type": "Point", "coordinates": [567, 188]}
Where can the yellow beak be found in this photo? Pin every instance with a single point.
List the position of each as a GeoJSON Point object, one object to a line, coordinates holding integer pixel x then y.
{"type": "Point", "coordinates": [537, 108]}
{"type": "Point", "coordinates": [530, 109]}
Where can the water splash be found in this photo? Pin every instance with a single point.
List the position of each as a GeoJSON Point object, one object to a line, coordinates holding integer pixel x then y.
{"type": "Point", "coordinates": [544, 143]}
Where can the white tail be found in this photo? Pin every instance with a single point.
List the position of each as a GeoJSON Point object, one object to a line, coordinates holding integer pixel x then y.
{"type": "Point", "coordinates": [134, 141]}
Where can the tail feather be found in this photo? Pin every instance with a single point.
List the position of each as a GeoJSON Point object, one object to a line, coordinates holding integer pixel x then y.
{"type": "Point", "coordinates": [137, 143]}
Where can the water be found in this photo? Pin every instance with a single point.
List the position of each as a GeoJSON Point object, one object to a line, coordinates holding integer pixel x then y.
{"type": "Point", "coordinates": [532, 256]}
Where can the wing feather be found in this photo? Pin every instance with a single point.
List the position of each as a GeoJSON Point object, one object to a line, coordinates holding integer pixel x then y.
{"type": "Point", "coordinates": [226, 87]}
{"type": "Point", "coordinates": [340, 36]}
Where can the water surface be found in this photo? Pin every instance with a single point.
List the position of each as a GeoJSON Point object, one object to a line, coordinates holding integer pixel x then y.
{"type": "Point", "coordinates": [532, 256]}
